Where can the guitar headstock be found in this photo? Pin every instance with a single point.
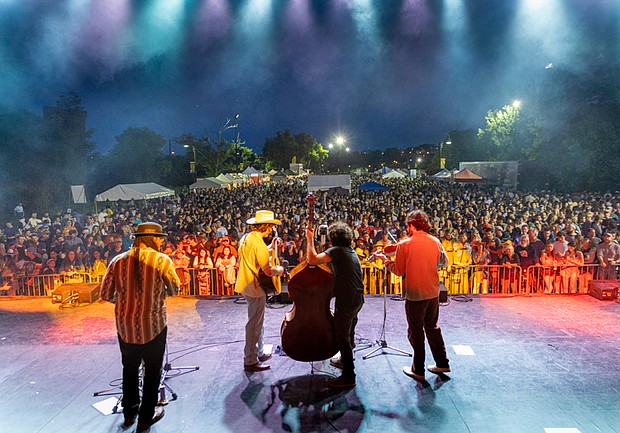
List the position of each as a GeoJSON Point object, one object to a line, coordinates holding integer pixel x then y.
{"type": "Point", "coordinates": [311, 198]}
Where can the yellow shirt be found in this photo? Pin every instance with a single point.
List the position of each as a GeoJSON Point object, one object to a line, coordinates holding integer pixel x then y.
{"type": "Point", "coordinates": [253, 256]}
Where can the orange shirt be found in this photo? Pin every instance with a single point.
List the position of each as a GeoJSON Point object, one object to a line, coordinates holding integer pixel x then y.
{"type": "Point", "coordinates": [417, 259]}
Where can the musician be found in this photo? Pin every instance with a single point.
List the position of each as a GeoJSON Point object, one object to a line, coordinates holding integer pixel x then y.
{"type": "Point", "coordinates": [418, 258]}
{"type": "Point", "coordinates": [137, 281]}
{"type": "Point", "coordinates": [254, 256]}
{"type": "Point", "coordinates": [349, 292]}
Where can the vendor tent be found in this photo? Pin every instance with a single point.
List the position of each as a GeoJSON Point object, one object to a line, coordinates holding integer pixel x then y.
{"type": "Point", "coordinates": [224, 179]}
{"type": "Point", "coordinates": [134, 191]}
{"type": "Point", "coordinates": [251, 171]}
{"type": "Point", "coordinates": [372, 186]}
{"type": "Point", "coordinates": [394, 174]}
{"type": "Point", "coordinates": [442, 174]}
{"type": "Point", "coordinates": [383, 170]}
{"type": "Point", "coordinates": [466, 175]}
{"type": "Point", "coordinates": [329, 182]}
{"type": "Point", "coordinates": [207, 183]}
{"type": "Point", "coordinates": [234, 178]}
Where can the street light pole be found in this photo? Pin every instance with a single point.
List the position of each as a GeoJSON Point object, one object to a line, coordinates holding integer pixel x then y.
{"type": "Point", "coordinates": [237, 143]}
{"type": "Point", "coordinates": [442, 160]}
{"type": "Point", "coordinates": [192, 164]}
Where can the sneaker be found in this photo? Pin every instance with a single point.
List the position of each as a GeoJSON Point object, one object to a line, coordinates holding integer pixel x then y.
{"type": "Point", "coordinates": [264, 357]}
{"type": "Point", "coordinates": [407, 370]}
{"type": "Point", "coordinates": [341, 382]}
{"type": "Point", "coordinates": [438, 370]}
{"type": "Point", "coordinates": [336, 361]}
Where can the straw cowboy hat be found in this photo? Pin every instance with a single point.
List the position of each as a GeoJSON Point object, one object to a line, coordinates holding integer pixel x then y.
{"type": "Point", "coordinates": [263, 217]}
{"type": "Point", "coordinates": [149, 229]}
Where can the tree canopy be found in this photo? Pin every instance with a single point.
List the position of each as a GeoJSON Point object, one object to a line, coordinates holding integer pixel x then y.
{"type": "Point", "coordinates": [285, 147]}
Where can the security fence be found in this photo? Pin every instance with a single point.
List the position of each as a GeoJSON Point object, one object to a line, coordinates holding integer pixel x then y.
{"type": "Point", "coordinates": [469, 280]}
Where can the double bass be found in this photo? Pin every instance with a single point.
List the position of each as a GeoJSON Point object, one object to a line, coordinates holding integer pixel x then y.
{"type": "Point", "coordinates": [308, 330]}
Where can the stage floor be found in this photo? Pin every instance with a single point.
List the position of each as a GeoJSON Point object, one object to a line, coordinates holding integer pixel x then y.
{"type": "Point", "coordinates": [519, 364]}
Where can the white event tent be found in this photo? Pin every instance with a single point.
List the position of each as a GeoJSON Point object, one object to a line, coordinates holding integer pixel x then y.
{"type": "Point", "coordinates": [134, 191]}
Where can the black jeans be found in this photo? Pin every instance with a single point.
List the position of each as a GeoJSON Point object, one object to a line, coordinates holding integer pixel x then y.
{"type": "Point", "coordinates": [422, 317]}
{"type": "Point", "coordinates": [132, 355]}
{"type": "Point", "coordinates": [345, 319]}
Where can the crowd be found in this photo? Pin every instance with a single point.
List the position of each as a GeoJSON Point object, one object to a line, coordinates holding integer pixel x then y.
{"type": "Point", "coordinates": [477, 225]}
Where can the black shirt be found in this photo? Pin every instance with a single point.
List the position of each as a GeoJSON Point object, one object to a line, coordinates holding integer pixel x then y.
{"type": "Point", "coordinates": [347, 270]}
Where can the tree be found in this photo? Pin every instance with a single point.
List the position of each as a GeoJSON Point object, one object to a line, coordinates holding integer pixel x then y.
{"type": "Point", "coordinates": [70, 100]}
{"type": "Point", "coordinates": [135, 157]}
{"type": "Point", "coordinates": [499, 135]}
{"type": "Point", "coordinates": [55, 149]}
{"type": "Point", "coordinates": [463, 146]}
{"type": "Point", "coordinates": [281, 149]}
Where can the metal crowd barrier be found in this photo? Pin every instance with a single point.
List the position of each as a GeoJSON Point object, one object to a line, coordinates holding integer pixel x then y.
{"type": "Point", "coordinates": [501, 279]}
{"type": "Point", "coordinates": [204, 282]}
{"type": "Point", "coordinates": [375, 280]}
{"type": "Point", "coordinates": [44, 285]}
{"type": "Point", "coordinates": [474, 279]}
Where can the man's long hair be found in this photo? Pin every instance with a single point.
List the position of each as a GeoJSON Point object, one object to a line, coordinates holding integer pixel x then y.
{"type": "Point", "coordinates": [262, 228]}
{"type": "Point", "coordinates": [146, 241]}
{"type": "Point", "coordinates": [340, 234]}
{"type": "Point", "coordinates": [419, 220]}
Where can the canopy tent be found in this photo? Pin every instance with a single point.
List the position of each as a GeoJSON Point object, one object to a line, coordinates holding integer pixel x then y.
{"type": "Point", "coordinates": [278, 177]}
{"type": "Point", "coordinates": [207, 183]}
{"type": "Point", "coordinates": [393, 174]}
{"type": "Point", "coordinates": [223, 178]}
{"type": "Point", "coordinates": [466, 175]}
{"type": "Point", "coordinates": [383, 170]}
{"type": "Point", "coordinates": [372, 186]}
{"type": "Point", "coordinates": [329, 182]}
{"type": "Point", "coordinates": [442, 174]}
{"type": "Point", "coordinates": [134, 191]}
{"type": "Point", "coordinates": [228, 178]}
{"type": "Point", "coordinates": [235, 178]}
{"type": "Point", "coordinates": [251, 171]}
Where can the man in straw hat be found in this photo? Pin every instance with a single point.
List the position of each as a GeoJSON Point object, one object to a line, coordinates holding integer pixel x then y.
{"type": "Point", "coordinates": [137, 281]}
{"type": "Point", "coordinates": [254, 256]}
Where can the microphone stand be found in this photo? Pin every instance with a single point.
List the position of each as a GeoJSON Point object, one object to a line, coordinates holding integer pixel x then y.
{"type": "Point", "coordinates": [382, 342]}
{"type": "Point", "coordinates": [165, 374]}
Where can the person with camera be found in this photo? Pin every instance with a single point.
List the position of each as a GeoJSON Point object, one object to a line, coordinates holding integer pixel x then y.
{"type": "Point", "coordinates": [418, 259]}
{"type": "Point", "coordinates": [349, 292]}
{"type": "Point", "coordinates": [254, 257]}
{"type": "Point", "coordinates": [137, 281]}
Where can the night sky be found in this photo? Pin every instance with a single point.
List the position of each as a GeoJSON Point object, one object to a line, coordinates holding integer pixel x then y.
{"type": "Point", "coordinates": [384, 73]}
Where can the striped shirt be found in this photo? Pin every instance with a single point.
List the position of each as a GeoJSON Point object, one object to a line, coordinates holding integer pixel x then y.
{"type": "Point", "coordinates": [140, 293]}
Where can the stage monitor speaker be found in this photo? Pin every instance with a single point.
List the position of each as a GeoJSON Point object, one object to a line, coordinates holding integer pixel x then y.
{"type": "Point", "coordinates": [443, 293]}
{"type": "Point", "coordinates": [604, 290]}
{"type": "Point", "coordinates": [282, 297]}
{"type": "Point", "coordinates": [87, 292]}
